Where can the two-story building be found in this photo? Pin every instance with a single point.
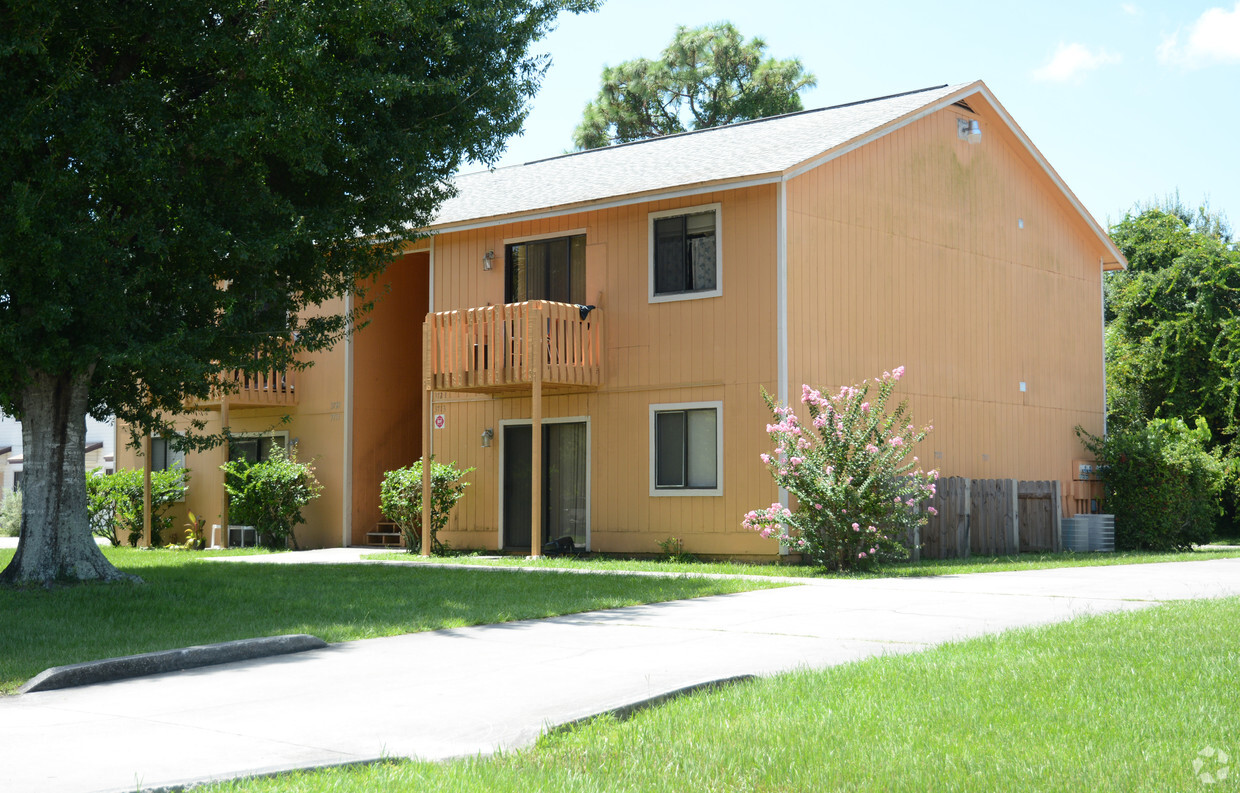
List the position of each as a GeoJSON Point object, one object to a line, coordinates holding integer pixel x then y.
{"type": "Point", "coordinates": [625, 307]}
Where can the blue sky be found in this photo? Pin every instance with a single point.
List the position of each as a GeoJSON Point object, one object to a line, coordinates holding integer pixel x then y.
{"type": "Point", "coordinates": [1127, 100]}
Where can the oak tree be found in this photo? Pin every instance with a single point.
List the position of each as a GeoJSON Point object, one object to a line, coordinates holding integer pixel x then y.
{"type": "Point", "coordinates": [184, 184]}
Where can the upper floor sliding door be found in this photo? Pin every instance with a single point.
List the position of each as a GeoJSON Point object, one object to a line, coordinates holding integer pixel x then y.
{"type": "Point", "coordinates": [549, 269]}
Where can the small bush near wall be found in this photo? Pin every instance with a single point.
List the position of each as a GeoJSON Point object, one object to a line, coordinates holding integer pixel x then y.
{"type": "Point", "coordinates": [1160, 483]}
{"type": "Point", "coordinates": [11, 514]}
{"type": "Point", "coordinates": [114, 502]}
{"type": "Point", "coordinates": [857, 490]}
{"type": "Point", "coordinates": [270, 495]}
{"type": "Point", "coordinates": [400, 498]}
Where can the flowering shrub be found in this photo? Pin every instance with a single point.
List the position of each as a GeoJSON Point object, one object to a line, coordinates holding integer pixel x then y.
{"type": "Point", "coordinates": [856, 489]}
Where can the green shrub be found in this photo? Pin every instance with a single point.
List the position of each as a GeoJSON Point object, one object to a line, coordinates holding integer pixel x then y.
{"type": "Point", "coordinates": [270, 495]}
{"type": "Point", "coordinates": [400, 497]}
{"type": "Point", "coordinates": [114, 502]}
{"type": "Point", "coordinates": [11, 514]}
{"type": "Point", "coordinates": [1160, 483]}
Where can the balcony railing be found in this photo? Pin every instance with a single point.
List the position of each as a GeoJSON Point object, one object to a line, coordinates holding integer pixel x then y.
{"type": "Point", "coordinates": [264, 388]}
{"type": "Point", "coordinates": [503, 348]}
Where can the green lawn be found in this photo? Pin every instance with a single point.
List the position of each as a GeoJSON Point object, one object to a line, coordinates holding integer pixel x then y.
{"type": "Point", "coordinates": [929, 567]}
{"type": "Point", "coordinates": [1120, 702]}
{"type": "Point", "coordinates": [187, 601]}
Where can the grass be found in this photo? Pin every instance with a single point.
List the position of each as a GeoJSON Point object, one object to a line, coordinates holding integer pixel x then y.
{"type": "Point", "coordinates": [928, 567]}
{"type": "Point", "coordinates": [1119, 702]}
{"type": "Point", "coordinates": [187, 601]}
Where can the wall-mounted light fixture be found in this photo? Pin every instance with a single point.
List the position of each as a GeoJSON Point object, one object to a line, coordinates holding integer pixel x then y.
{"type": "Point", "coordinates": [487, 435]}
{"type": "Point", "coordinates": [969, 130]}
{"type": "Point", "coordinates": [487, 258]}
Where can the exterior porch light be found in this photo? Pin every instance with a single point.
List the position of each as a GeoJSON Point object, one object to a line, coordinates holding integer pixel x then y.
{"type": "Point", "coordinates": [487, 435]}
{"type": "Point", "coordinates": [969, 130]}
{"type": "Point", "coordinates": [487, 258]}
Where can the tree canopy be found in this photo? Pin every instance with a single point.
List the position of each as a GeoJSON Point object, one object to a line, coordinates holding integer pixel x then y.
{"type": "Point", "coordinates": [1173, 332]}
{"type": "Point", "coordinates": [182, 191]}
{"type": "Point", "coordinates": [707, 76]}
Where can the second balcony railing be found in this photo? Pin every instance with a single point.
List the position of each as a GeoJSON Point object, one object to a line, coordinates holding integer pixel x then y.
{"type": "Point", "coordinates": [504, 348]}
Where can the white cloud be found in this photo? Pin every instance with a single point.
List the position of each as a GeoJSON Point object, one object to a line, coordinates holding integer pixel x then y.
{"type": "Point", "coordinates": [1213, 38]}
{"type": "Point", "coordinates": [1070, 61]}
{"type": "Point", "coordinates": [1130, 9]}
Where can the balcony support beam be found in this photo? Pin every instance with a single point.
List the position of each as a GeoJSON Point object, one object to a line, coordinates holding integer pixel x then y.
{"type": "Point", "coordinates": [427, 429]}
{"type": "Point", "coordinates": [536, 336]}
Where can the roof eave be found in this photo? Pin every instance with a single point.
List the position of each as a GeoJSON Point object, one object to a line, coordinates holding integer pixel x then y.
{"type": "Point", "coordinates": [624, 199]}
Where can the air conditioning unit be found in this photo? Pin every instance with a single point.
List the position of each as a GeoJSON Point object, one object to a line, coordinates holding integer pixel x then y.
{"type": "Point", "coordinates": [1088, 533]}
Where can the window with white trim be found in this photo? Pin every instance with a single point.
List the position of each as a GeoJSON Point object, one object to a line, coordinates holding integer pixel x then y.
{"type": "Point", "coordinates": [685, 255]}
{"type": "Point", "coordinates": [686, 449]}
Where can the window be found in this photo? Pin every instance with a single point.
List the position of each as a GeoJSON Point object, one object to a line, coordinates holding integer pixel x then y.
{"type": "Point", "coordinates": [549, 269]}
{"type": "Point", "coordinates": [686, 455]}
{"type": "Point", "coordinates": [684, 254]}
{"type": "Point", "coordinates": [164, 456]}
{"type": "Point", "coordinates": [255, 448]}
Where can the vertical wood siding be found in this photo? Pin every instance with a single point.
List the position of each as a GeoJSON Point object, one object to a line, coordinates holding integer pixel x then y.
{"type": "Point", "coordinates": [907, 252]}
{"type": "Point", "coordinates": [720, 348]}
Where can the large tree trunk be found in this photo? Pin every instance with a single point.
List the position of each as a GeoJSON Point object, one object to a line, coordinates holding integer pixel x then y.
{"type": "Point", "coordinates": [56, 544]}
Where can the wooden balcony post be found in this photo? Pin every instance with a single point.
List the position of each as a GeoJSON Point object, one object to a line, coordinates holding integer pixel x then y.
{"type": "Point", "coordinates": [146, 488]}
{"type": "Point", "coordinates": [536, 337]}
{"type": "Point", "coordinates": [427, 429]}
{"type": "Point", "coordinates": [223, 476]}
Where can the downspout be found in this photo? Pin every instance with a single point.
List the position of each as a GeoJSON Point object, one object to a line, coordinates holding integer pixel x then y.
{"type": "Point", "coordinates": [346, 517]}
{"type": "Point", "coordinates": [1102, 301]}
{"type": "Point", "coordinates": [781, 309]}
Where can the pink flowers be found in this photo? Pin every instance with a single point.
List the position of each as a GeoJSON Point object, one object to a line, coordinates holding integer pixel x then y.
{"type": "Point", "coordinates": [896, 441]}
{"type": "Point", "coordinates": [856, 527]}
{"type": "Point", "coordinates": [932, 510]}
{"type": "Point", "coordinates": [897, 373]}
{"type": "Point", "coordinates": [861, 555]}
{"type": "Point", "coordinates": [871, 448]}
{"type": "Point", "coordinates": [865, 407]}
{"type": "Point", "coordinates": [766, 458]}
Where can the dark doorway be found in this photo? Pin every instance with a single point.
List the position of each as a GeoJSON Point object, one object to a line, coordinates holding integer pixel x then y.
{"type": "Point", "coordinates": [565, 512]}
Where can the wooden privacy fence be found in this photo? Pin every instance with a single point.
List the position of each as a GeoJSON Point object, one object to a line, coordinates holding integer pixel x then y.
{"type": "Point", "coordinates": [992, 517]}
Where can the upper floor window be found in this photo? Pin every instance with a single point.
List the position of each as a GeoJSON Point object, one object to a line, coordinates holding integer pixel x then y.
{"type": "Point", "coordinates": [546, 269]}
{"type": "Point", "coordinates": [685, 255]}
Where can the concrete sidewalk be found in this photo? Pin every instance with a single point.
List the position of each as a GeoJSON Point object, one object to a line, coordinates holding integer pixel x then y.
{"type": "Point", "coordinates": [464, 691]}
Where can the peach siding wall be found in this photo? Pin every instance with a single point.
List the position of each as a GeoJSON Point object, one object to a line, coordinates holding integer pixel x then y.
{"type": "Point", "coordinates": [907, 251]}
{"type": "Point", "coordinates": [387, 386]}
{"type": "Point", "coordinates": [317, 423]}
{"type": "Point", "coordinates": [684, 351]}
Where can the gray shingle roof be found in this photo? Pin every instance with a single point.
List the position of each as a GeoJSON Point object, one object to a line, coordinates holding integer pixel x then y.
{"type": "Point", "coordinates": [728, 153]}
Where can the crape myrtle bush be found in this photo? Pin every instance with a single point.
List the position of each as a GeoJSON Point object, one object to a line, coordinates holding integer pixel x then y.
{"type": "Point", "coordinates": [400, 498]}
{"type": "Point", "coordinates": [1160, 483]}
{"type": "Point", "coordinates": [857, 489]}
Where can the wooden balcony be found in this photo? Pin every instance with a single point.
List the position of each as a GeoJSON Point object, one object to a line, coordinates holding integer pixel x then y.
{"type": "Point", "coordinates": [264, 388]}
{"type": "Point", "coordinates": [508, 348]}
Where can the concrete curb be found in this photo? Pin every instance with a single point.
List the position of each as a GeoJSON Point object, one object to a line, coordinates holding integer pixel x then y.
{"type": "Point", "coordinates": [169, 661]}
{"type": "Point", "coordinates": [621, 713]}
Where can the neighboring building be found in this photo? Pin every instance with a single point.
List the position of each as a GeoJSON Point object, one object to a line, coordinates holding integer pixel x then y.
{"type": "Point", "coordinates": [100, 449]}
{"type": "Point", "coordinates": [821, 247]}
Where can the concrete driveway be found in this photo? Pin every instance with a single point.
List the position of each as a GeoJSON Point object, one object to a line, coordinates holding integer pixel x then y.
{"type": "Point", "coordinates": [473, 690]}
